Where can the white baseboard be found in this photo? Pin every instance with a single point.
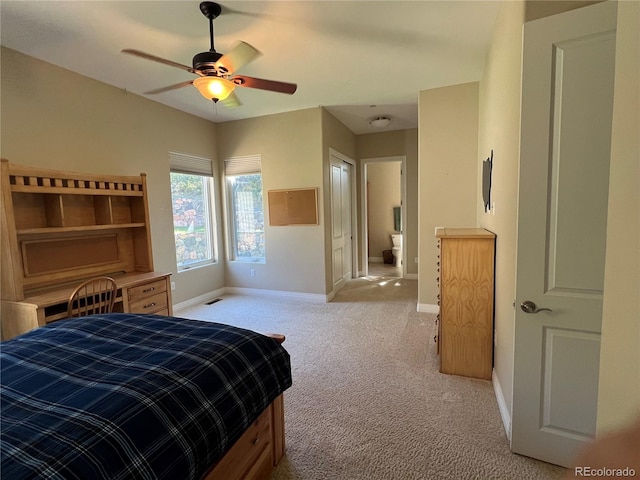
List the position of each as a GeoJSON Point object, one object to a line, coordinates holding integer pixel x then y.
{"type": "Point", "coordinates": [502, 405]}
{"type": "Point", "coordinates": [199, 300]}
{"type": "Point", "coordinates": [313, 297]}
{"type": "Point", "coordinates": [207, 297]}
{"type": "Point", "coordinates": [376, 260]}
{"type": "Point", "coordinates": [428, 308]}
{"type": "Point", "coordinates": [411, 276]}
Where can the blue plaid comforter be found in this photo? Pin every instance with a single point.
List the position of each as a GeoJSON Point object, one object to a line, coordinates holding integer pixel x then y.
{"type": "Point", "coordinates": [125, 396]}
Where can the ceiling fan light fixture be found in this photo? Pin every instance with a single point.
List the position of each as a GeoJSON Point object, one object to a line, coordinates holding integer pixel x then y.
{"type": "Point", "coordinates": [380, 122]}
{"type": "Point", "coordinates": [214, 88]}
{"type": "Point", "coordinates": [214, 69]}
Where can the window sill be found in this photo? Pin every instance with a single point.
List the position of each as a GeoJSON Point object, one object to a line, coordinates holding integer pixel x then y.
{"type": "Point", "coordinates": [249, 260]}
{"type": "Point", "coordinates": [196, 267]}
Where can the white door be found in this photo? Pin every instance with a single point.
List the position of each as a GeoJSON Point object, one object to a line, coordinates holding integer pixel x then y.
{"type": "Point", "coordinates": [341, 218]}
{"type": "Point", "coordinates": [567, 98]}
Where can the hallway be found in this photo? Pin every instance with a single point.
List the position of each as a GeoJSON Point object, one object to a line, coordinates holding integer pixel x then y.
{"type": "Point", "coordinates": [377, 269]}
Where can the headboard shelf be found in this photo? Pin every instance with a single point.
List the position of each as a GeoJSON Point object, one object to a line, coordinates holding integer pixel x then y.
{"type": "Point", "coordinates": [47, 210]}
{"type": "Point", "coordinates": [79, 228]}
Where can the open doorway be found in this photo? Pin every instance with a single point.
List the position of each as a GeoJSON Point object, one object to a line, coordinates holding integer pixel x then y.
{"type": "Point", "coordinates": [384, 216]}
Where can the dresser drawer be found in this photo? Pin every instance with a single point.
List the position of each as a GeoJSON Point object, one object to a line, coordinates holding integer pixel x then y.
{"type": "Point", "coordinates": [149, 304]}
{"type": "Point", "coordinates": [146, 290]}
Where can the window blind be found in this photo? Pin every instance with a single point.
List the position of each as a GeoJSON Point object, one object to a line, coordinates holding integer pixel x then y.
{"type": "Point", "coordinates": [183, 163]}
{"type": "Point", "coordinates": [242, 165]}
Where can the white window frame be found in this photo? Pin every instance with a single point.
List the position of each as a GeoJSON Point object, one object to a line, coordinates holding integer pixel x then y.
{"type": "Point", "coordinates": [202, 167]}
{"type": "Point", "coordinates": [233, 167]}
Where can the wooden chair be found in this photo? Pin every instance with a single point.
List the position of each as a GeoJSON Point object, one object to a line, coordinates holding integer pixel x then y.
{"type": "Point", "coordinates": [96, 295]}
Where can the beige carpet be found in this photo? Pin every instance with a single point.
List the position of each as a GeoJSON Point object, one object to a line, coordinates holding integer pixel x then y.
{"type": "Point", "coordinates": [367, 400]}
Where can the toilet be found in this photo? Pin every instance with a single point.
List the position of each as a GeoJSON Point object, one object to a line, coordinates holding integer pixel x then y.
{"type": "Point", "coordinates": [397, 249]}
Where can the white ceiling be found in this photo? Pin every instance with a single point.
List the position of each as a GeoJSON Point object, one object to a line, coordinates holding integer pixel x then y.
{"type": "Point", "coordinates": [359, 59]}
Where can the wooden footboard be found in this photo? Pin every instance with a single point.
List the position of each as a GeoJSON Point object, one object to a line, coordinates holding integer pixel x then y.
{"type": "Point", "coordinates": [258, 451]}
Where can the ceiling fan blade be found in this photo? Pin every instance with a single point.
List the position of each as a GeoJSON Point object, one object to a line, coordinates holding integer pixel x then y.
{"type": "Point", "coordinates": [238, 56]}
{"type": "Point", "coordinates": [232, 101]}
{"type": "Point", "coordinates": [170, 87]}
{"type": "Point", "coordinates": [148, 56]}
{"type": "Point", "coordinates": [262, 84]}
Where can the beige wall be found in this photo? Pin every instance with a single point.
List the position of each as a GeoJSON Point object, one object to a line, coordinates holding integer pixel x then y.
{"type": "Point", "coordinates": [619, 387]}
{"type": "Point", "coordinates": [499, 130]}
{"type": "Point", "coordinates": [70, 122]}
{"type": "Point", "coordinates": [447, 172]}
{"type": "Point", "coordinates": [392, 144]}
{"type": "Point", "coordinates": [384, 192]}
{"type": "Point", "coordinates": [291, 151]}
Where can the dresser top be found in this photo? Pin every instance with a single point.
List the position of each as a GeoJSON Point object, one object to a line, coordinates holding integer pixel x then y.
{"type": "Point", "coordinates": [464, 233]}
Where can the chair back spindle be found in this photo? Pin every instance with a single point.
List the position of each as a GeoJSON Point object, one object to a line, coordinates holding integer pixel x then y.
{"type": "Point", "coordinates": [96, 295]}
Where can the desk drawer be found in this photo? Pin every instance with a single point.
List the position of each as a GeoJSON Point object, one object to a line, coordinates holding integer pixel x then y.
{"type": "Point", "coordinates": [149, 304]}
{"type": "Point", "coordinates": [147, 290]}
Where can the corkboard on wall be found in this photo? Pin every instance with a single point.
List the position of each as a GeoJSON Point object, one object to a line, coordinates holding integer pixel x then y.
{"type": "Point", "coordinates": [296, 206]}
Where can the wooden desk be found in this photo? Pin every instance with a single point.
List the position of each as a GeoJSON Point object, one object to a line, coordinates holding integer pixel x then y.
{"type": "Point", "coordinates": [59, 228]}
{"type": "Point", "coordinates": [148, 292]}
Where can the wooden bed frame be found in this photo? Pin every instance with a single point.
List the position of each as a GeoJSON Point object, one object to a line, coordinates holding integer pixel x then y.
{"type": "Point", "coordinates": [257, 452]}
{"type": "Point", "coordinates": [259, 449]}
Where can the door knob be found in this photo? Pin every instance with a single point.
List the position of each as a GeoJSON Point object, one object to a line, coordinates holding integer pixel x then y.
{"type": "Point", "coordinates": [529, 307]}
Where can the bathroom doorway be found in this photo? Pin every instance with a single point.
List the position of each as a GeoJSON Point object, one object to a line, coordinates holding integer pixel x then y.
{"type": "Point", "coordinates": [383, 216]}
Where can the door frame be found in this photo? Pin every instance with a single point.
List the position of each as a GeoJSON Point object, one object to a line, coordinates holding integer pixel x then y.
{"type": "Point", "coordinates": [354, 214]}
{"type": "Point", "coordinates": [363, 210]}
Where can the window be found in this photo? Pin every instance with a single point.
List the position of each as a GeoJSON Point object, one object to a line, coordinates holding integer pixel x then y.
{"type": "Point", "coordinates": [193, 220]}
{"type": "Point", "coordinates": [246, 212]}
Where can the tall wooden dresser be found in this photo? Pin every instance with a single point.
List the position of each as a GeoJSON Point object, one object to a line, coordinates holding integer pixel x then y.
{"type": "Point", "coordinates": [60, 228]}
{"type": "Point", "coordinates": [466, 299]}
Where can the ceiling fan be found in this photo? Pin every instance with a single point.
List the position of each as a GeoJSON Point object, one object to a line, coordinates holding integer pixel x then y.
{"type": "Point", "coordinates": [216, 80]}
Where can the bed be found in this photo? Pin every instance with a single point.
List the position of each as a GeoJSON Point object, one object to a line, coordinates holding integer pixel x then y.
{"type": "Point", "coordinates": [123, 396]}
